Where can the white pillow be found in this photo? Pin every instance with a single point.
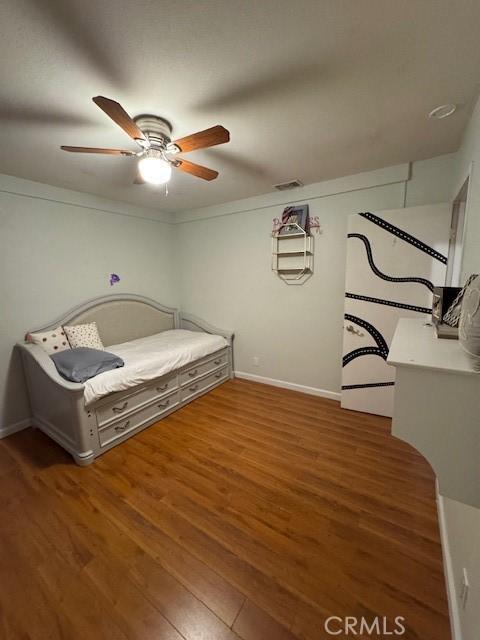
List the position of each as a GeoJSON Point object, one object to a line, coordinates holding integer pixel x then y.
{"type": "Point", "coordinates": [84, 335]}
{"type": "Point", "coordinates": [51, 341]}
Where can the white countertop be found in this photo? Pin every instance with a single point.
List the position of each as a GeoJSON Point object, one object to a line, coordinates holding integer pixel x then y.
{"type": "Point", "coordinates": [415, 344]}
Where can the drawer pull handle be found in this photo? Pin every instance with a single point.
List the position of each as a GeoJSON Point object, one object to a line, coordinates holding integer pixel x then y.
{"type": "Point", "coordinates": [217, 361]}
{"type": "Point", "coordinates": [219, 375]}
{"type": "Point", "coordinates": [120, 409]}
{"type": "Point", "coordinates": [194, 388]}
{"type": "Point", "coordinates": [164, 404]}
{"type": "Point", "coordinates": [193, 373]}
{"type": "Point", "coordinates": [162, 387]}
{"type": "Point", "coordinates": [122, 427]}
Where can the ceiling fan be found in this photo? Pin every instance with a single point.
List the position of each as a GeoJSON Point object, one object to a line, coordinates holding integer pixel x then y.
{"type": "Point", "coordinates": [158, 153]}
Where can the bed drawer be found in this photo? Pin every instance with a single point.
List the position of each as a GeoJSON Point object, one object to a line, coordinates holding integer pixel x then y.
{"type": "Point", "coordinates": [112, 411]}
{"type": "Point", "coordinates": [196, 371]}
{"type": "Point", "coordinates": [112, 432]}
{"type": "Point", "coordinates": [196, 387]}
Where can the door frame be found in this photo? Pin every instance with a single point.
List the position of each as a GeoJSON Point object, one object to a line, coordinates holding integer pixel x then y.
{"type": "Point", "coordinates": [460, 211]}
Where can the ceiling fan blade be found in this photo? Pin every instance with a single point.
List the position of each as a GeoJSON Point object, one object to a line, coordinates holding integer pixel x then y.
{"type": "Point", "coordinates": [195, 169]}
{"type": "Point", "coordinates": [118, 114]}
{"type": "Point", "coordinates": [203, 139]}
{"type": "Point", "coordinates": [110, 152]}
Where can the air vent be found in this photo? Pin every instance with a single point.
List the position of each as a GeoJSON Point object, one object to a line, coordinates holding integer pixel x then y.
{"type": "Point", "coordinates": [286, 186]}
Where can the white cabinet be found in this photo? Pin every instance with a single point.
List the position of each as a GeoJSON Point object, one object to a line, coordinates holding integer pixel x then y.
{"type": "Point", "coordinates": [437, 406]}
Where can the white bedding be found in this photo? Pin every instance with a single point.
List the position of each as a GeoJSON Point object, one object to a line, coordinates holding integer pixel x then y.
{"type": "Point", "coordinates": [151, 357]}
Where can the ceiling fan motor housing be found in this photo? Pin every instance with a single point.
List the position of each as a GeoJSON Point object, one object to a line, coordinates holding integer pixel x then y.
{"type": "Point", "coordinates": [157, 130]}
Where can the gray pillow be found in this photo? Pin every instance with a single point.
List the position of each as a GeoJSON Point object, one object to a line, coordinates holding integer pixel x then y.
{"type": "Point", "coordinates": [78, 365]}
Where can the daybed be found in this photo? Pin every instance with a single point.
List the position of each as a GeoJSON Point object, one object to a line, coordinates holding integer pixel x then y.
{"type": "Point", "coordinates": [88, 426]}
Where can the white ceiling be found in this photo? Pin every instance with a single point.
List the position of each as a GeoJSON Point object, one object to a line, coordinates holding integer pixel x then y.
{"type": "Point", "coordinates": [312, 89]}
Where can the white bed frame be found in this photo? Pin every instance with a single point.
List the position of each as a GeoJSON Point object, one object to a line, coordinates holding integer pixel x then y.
{"type": "Point", "coordinates": [58, 406]}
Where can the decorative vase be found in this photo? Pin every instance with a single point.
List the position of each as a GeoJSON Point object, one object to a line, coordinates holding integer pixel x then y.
{"type": "Point", "coordinates": [469, 327]}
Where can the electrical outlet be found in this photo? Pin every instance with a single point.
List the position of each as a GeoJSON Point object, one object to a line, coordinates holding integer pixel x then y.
{"type": "Point", "coordinates": [256, 361]}
{"type": "Point", "coordinates": [464, 588]}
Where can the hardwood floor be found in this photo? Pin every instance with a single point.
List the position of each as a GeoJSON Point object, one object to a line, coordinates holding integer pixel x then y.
{"type": "Point", "coordinates": [252, 513]}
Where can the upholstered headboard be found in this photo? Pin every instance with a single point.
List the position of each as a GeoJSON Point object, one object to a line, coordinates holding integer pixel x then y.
{"type": "Point", "coordinates": [121, 318]}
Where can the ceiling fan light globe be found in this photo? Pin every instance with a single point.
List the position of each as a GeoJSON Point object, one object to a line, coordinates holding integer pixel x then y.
{"type": "Point", "coordinates": [154, 170]}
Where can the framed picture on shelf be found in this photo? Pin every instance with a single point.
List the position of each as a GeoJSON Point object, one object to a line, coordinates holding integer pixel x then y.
{"type": "Point", "coordinates": [293, 216]}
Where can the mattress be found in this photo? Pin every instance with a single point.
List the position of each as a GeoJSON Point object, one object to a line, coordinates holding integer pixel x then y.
{"type": "Point", "coordinates": [151, 357]}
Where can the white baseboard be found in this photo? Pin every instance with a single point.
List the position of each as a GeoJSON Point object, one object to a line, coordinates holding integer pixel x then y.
{"type": "Point", "coordinates": [13, 428]}
{"type": "Point", "coordinates": [312, 391]}
{"type": "Point", "coordinates": [448, 569]}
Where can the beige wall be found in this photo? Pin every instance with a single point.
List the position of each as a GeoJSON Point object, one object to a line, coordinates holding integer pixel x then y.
{"type": "Point", "coordinates": [462, 522]}
{"type": "Point", "coordinates": [462, 544]}
{"type": "Point", "coordinates": [468, 160]}
{"type": "Point", "coordinates": [57, 249]}
{"type": "Point", "coordinates": [224, 255]}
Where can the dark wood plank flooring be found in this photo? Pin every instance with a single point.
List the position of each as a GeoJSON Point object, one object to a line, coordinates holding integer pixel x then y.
{"type": "Point", "coordinates": [252, 513]}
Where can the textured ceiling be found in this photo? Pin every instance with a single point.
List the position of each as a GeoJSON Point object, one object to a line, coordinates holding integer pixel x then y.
{"type": "Point", "coordinates": [309, 89]}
